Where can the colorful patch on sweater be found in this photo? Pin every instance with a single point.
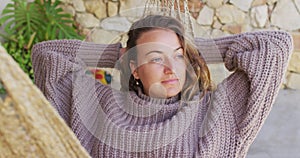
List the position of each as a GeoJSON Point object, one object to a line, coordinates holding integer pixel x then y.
{"type": "Point", "coordinates": [101, 75]}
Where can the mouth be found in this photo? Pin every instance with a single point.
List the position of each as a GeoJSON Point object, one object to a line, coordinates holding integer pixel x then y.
{"type": "Point", "coordinates": [170, 81]}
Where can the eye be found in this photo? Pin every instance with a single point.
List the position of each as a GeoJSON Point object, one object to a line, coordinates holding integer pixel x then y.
{"type": "Point", "coordinates": [179, 56]}
{"type": "Point", "coordinates": [157, 60]}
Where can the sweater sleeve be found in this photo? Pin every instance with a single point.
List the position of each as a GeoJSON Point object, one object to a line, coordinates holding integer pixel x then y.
{"type": "Point", "coordinates": [263, 58]}
{"type": "Point", "coordinates": [244, 99]}
{"type": "Point", "coordinates": [54, 61]}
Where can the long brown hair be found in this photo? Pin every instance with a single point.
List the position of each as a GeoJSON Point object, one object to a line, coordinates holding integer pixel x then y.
{"type": "Point", "coordinates": [198, 76]}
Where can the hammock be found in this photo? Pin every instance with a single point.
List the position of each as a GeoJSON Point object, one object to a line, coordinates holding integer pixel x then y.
{"type": "Point", "coordinates": [175, 8]}
{"type": "Point", "coordinates": [29, 125]}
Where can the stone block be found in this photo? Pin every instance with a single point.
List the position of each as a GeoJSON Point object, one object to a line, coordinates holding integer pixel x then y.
{"type": "Point", "coordinates": [214, 3]}
{"type": "Point", "coordinates": [296, 39]}
{"type": "Point", "coordinates": [79, 5]}
{"type": "Point", "coordinates": [96, 7]}
{"type": "Point", "coordinates": [195, 6]}
{"type": "Point", "coordinates": [232, 28]}
{"type": "Point", "coordinates": [100, 13]}
{"type": "Point", "coordinates": [286, 15]}
{"type": "Point", "coordinates": [68, 9]}
{"type": "Point", "coordinates": [116, 24]}
{"type": "Point", "coordinates": [206, 16]}
{"type": "Point", "coordinates": [293, 81]}
{"type": "Point", "coordinates": [105, 37]}
{"type": "Point", "coordinates": [113, 8]}
{"type": "Point", "coordinates": [218, 72]}
{"type": "Point", "coordinates": [294, 63]}
{"type": "Point", "coordinates": [271, 2]}
{"type": "Point", "coordinates": [259, 16]}
{"type": "Point", "coordinates": [216, 24]}
{"type": "Point", "coordinates": [244, 5]}
{"type": "Point", "coordinates": [132, 8]}
{"type": "Point", "coordinates": [256, 3]}
{"type": "Point", "coordinates": [230, 14]}
{"type": "Point", "coordinates": [87, 20]}
{"type": "Point", "coordinates": [218, 33]}
{"type": "Point", "coordinates": [200, 30]}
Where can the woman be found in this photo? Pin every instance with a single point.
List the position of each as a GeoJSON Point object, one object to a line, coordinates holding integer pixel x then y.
{"type": "Point", "coordinates": [166, 106]}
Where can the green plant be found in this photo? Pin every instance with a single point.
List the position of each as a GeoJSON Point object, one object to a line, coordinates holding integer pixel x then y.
{"type": "Point", "coordinates": [2, 89]}
{"type": "Point", "coordinates": [29, 23]}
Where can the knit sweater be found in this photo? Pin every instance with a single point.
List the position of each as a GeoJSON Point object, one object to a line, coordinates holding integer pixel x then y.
{"type": "Point", "coordinates": [113, 123]}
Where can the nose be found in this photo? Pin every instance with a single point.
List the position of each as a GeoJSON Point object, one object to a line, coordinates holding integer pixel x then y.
{"type": "Point", "coordinates": [169, 66]}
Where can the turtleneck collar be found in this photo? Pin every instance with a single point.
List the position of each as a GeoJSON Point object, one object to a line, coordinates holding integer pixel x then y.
{"type": "Point", "coordinates": [164, 101]}
{"type": "Point", "coordinates": [137, 105]}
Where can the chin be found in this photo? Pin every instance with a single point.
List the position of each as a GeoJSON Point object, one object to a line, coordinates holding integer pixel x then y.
{"type": "Point", "coordinates": [173, 92]}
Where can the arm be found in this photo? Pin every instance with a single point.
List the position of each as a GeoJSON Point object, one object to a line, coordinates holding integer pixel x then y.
{"type": "Point", "coordinates": [54, 61]}
{"type": "Point", "coordinates": [264, 59]}
{"type": "Point", "coordinates": [244, 99]}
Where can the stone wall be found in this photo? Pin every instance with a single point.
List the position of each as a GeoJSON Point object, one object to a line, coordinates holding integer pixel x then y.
{"type": "Point", "coordinates": [107, 21]}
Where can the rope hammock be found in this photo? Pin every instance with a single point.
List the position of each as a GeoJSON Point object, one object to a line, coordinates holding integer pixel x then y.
{"type": "Point", "coordinates": [29, 125]}
{"type": "Point", "coordinates": [174, 8]}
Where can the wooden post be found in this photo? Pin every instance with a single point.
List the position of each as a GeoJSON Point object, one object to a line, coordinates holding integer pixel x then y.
{"type": "Point", "coordinates": [29, 125]}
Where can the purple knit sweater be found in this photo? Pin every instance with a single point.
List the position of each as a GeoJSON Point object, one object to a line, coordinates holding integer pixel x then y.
{"type": "Point", "coordinates": [113, 123]}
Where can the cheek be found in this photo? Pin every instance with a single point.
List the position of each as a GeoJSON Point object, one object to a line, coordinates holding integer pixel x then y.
{"type": "Point", "coordinates": [181, 69]}
{"type": "Point", "coordinates": [149, 74]}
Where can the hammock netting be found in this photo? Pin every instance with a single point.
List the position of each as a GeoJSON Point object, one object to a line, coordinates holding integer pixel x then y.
{"type": "Point", "coordinates": [174, 8]}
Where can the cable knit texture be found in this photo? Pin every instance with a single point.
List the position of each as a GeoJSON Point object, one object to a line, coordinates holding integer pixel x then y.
{"type": "Point", "coordinates": [111, 123]}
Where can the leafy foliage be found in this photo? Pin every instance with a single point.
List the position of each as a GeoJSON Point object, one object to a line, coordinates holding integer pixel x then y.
{"type": "Point", "coordinates": [2, 90]}
{"type": "Point", "coordinates": [29, 23]}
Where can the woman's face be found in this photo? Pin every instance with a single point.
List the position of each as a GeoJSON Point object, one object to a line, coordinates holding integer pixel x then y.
{"type": "Point", "coordinates": [160, 64]}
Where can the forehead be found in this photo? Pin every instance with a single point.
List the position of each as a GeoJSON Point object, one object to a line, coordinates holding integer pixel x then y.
{"type": "Point", "coordinates": [151, 47]}
{"type": "Point", "coordinates": [163, 37]}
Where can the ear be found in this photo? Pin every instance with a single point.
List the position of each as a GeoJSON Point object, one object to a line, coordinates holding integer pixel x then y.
{"type": "Point", "coordinates": [133, 69]}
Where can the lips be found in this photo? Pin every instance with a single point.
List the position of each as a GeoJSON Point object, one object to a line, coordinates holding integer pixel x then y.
{"type": "Point", "coordinates": [170, 81]}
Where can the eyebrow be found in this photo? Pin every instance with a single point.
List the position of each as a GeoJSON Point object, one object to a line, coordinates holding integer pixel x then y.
{"type": "Point", "coordinates": [178, 48]}
{"type": "Point", "coordinates": [160, 52]}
